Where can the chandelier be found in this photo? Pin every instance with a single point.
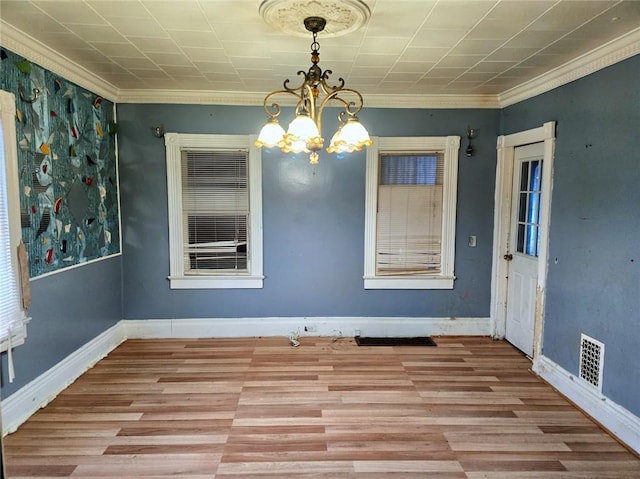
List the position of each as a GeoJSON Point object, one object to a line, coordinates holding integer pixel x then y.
{"type": "Point", "coordinates": [305, 131]}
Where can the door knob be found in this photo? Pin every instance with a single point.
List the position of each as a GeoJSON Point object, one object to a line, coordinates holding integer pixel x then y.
{"type": "Point", "coordinates": [508, 256]}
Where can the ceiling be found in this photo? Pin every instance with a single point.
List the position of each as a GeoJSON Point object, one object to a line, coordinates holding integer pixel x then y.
{"type": "Point", "coordinates": [405, 48]}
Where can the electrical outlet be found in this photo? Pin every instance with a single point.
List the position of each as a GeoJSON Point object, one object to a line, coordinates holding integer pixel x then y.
{"type": "Point", "coordinates": [472, 241]}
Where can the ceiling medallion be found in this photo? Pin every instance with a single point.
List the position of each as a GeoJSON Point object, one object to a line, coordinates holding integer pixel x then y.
{"type": "Point", "coordinates": [342, 16]}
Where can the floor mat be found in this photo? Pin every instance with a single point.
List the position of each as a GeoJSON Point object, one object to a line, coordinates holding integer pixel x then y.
{"type": "Point", "coordinates": [414, 341]}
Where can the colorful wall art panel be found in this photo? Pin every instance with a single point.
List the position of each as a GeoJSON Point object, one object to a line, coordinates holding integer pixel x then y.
{"type": "Point", "coordinates": [67, 167]}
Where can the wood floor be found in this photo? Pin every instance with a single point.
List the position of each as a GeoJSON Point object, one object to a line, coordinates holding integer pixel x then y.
{"type": "Point", "coordinates": [259, 408]}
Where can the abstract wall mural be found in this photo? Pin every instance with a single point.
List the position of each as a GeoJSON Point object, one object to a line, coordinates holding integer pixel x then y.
{"type": "Point", "coordinates": [67, 167]}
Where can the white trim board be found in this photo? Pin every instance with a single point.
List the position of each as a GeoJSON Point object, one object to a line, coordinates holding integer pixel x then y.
{"type": "Point", "coordinates": [620, 422]}
{"type": "Point", "coordinates": [22, 404]}
{"type": "Point", "coordinates": [305, 326]}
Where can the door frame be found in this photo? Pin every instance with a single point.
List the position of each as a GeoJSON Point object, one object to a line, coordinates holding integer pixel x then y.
{"type": "Point", "coordinates": [502, 223]}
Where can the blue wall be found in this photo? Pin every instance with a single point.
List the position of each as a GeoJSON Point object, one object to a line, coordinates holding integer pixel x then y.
{"type": "Point", "coordinates": [593, 284]}
{"type": "Point", "coordinates": [313, 221]}
{"type": "Point", "coordinates": [68, 309]}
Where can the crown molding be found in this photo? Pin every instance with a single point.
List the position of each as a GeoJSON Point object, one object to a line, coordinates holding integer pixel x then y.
{"type": "Point", "coordinates": [37, 52]}
{"type": "Point", "coordinates": [606, 55]}
{"type": "Point", "coordinates": [200, 97]}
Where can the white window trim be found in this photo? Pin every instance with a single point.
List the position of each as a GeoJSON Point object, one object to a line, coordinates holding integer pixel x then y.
{"type": "Point", "coordinates": [18, 332]}
{"type": "Point", "coordinates": [175, 142]}
{"type": "Point", "coordinates": [444, 280]}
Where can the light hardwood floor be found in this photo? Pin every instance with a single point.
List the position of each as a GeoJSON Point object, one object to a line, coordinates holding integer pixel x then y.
{"type": "Point", "coordinates": [259, 408]}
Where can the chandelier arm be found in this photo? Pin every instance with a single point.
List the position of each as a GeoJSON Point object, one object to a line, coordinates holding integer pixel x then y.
{"type": "Point", "coordinates": [325, 85]}
{"type": "Point", "coordinates": [351, 108]}
{"type": "Point", "coordinates": [274, 109]}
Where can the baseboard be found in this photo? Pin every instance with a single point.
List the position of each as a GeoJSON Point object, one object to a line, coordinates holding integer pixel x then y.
{"type": "Point", "coordinates": [620, 422]}
{"type": "Point", "coordinates": [311, 326]}
{"type": "Point", "coordinates": [22, 404]}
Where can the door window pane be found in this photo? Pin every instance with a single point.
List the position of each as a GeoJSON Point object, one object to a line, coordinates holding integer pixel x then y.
{"type": "Point", "coordinates": [530, 196]}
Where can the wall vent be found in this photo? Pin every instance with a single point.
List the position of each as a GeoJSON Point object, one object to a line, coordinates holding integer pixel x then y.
{"type": "Point", "coordinates": [591, 361]}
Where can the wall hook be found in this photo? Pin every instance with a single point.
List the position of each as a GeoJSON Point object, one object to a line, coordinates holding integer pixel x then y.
{"type": "Point", "coordinates": [36, 94]}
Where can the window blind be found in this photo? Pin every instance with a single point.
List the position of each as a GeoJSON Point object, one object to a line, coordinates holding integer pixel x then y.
{"type": "Point", "coordinates": [12, 317]}
{"type": "Point", "coordinates": [215, 204]}
{"type": "Point", "coordinates": [409, 215]}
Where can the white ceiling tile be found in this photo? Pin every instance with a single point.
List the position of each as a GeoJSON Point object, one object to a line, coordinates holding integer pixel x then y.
{"type": "Point", "coordinates": [134, 27]}
{"type": "Point", "coordinates": [195, 39]}
{"type": "Point", "coordinates": [86, 56]}
{"type": "Point", "coordinates": [142, 73]}
{"type": "Point", "coordinates": [97, 33]}
{"type": "Point", "coordinates": [511, 54]}
{"type": "Point", "coordinates": [398, 18]}
{"type": "Point", "coordinates": [412, 67]}
{"type": "Point", "coordinates": [181, 71]}
{"type": "Point", "coordinates": [476, 76]}
{"type": "Point", "coordinates": [457, 14]}
{"type": "Point", "coordinates": [117, 49]}
{"type": "Point", "coordinates": [533, 39]}
{"type": "Point", "coordinates": [212, 67]}
{"type": "Point", "coordinates": [107, 67]}
{"type": "Point", "coordinates": [117, 8]}
{"type": "Point", "coordinates": [437, 38]}
{"type": "Point", "coordinates": [367, 59]}
{"type": "Point", "coordinates": [226, 77]}
{"type": "Point", "coordinates": [136, 63]}
{"type": "Point", "coordinates": [519, 13]}
{"type": "Point", "coordinates": [240, 12]}
{"type": "Point", "coordinates": [63, 41]}
{"type": "Point", "coordinates": [32, 22]}
{"type": "Point", "coordinates": [475, 47]}
{"type": "Point", "coordinates": [169, 59]}
{"type": "Point", "coordinates": [433, 81]}
{"type": "Point", "coordinates": [384, 45]}
{"type": "Point", "coordinates": [245, 49]}
{"type": "Point", "coordinates": [188, 15]}
{"type": "Point", "coordinates": [155, 45]}
{"type": "Point", "coordinates": [446, 72]}
{"type": "Point", "coordinates": [205, 55]}
{"type": "Point", "coordinates": [403, 77]}
{"type": "Point", "coordinates": [491, 67]}
{"type": "Point", "coordinates": [251, 62]}
{"type": "Point", "coordinates": [493, 29]}
{"type": "Point", "coordinates": [460, 61]}
{"type": "Point", "coordinates": [161, 83]}
{"type": "Point", "coordinates": [248, 73]}
{"type": "Point", "coordinates": [66, 11]}
{"type": "Point", "coordinates": [563, 16]}
{"type": "Point", "coordinates": [369, 71]}
{"type": "Point", "coordinates": [417, 54]}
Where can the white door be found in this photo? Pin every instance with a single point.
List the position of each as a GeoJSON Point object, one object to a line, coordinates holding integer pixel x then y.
{"type": "Point", "coordinates": [524, 246]}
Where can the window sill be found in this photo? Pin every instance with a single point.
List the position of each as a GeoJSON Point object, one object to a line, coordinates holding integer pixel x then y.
{"type": "Point", "coordinates": [401, 282]}
{"type": "Point", "coordinates": [216, 282]}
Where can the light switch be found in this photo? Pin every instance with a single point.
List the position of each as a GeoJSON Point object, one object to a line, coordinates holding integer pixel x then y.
{"type": "Point", "coordinates": [472, 241]}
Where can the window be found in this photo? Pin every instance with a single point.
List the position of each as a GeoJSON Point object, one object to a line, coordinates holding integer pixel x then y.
{"type": "Point", "coordinates": [529, 196]}
{"type": "Point", "coordinates": [215, 211]}
{"type": "Point", "coordinates": [411, 213]}
{"type": "Point", "coordinates": [13, 321]}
